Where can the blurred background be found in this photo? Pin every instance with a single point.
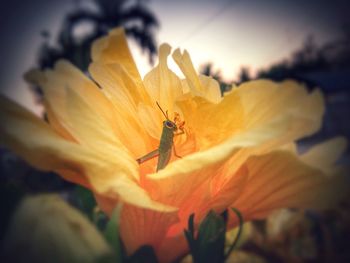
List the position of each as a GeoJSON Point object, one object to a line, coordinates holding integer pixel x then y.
{"type": "Point", "coordinates": [231, 40]}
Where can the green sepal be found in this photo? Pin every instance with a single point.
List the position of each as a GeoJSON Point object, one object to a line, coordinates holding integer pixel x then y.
{"type": "Point", "coordinates": [210, 242]}
{"type": "Point", "coordinates": [85, 201]}
{"type": "Point", "coordinates": [189, 234]}
{"type": "Point", "coordinates": [111, 233]}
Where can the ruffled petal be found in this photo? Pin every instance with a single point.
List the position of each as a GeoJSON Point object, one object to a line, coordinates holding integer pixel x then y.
{"type": "Point", "coordinates": [173, 248]}
{"type": "Point", "coordinates": [121, 90]}
{"type": "Point", "coordinates": [143, 226]}
{"type": "Point", "coordinates": [152, 121]}
{"type": "Point", "coordinates": [68, 75]}
{"type": "Point", "coordinates": [324, 155]}
{"type": "Point", "coordinates": [54, 83]}
{"type": "Point", "coordinates": [280, 179]}
{"type": "Point", "coordinates": [93, 132]}
{"type": "Point", "coordinates": [131, 193]}
{"type": "Point", "coordinates": [251, 105]}
{"type": "Point", "coordinates": [176, 183]}
{"type": "Point", "coordinates": [86, 113]}
{"type": "Point", "coordinates": [54, 99]}
{"type": "Point", "coordinates": [201, 86]}
{"type": "Point", "coordinates": [114, 49]}
{"type": "Point", "coordinates": [210, 196]}
{"type": "Point", "coordinates": [162, 84]}
{"type": "Point", "coordinates": [35, 141]}
{"type": "Point", "coordinates": [271, 130]}
{"type": "Point", "coordinates": [73, 99]}
{"type": "Point", "coordinates": [264, 100]}
{"type": "Point", "coordinates": [140, 226]}
{"type": "Point", "coordinates": [213, 123]}
{"type": "Point", "coordinates": [56, 124]}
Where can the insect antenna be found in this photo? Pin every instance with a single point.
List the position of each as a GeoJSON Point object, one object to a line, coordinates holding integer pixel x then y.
{"type": "Point", "coordinates": [165, 115]}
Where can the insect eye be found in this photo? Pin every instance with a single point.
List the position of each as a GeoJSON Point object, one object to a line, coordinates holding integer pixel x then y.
{"type": "Point", "coordinates": [169, 124]}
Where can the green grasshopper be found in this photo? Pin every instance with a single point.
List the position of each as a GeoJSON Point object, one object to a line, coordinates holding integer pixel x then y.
{"type": "Point", "coordinates": [166, 144]}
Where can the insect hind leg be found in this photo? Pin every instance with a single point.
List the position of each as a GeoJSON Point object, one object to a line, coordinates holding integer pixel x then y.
{"type": "Point", "coordinates": [148, 156]}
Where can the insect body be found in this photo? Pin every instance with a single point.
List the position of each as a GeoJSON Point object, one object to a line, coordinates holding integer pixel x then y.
{"type": "Point", "coordinates": [166, 144]}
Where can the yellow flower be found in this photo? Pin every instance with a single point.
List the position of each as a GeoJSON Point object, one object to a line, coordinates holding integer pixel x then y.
{"type": "Point", "coordinates": [237, 150]}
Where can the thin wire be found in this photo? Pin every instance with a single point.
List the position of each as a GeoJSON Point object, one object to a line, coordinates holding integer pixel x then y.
{"type": "Point", "coordinates": [233, 245]}
{"type": "Point", "coordinates": [207, 22]}
{"type": "Point", "coordinates": [289, 41]}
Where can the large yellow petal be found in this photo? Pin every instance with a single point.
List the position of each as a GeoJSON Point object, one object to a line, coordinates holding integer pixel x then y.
{"type": "Point", "coordinates": [113, 49]}
{"type": "Point", "coordinates": [92, 131]}
{"type": "Point", "coordinates": [69, 75]}
{"type": "Point", "coordinates": [54, 99]}
{"type": "Point", "coordinates": [324, 155]}
{"type": "Point", "coordinates": [108, 177]}
{"type": "Point", "coordinates": [210, 196]}
{"type": "Point", "coordinates": [127, 190]}
{"type": "Point", "coordinates": [81, 107]}
{"type": "Point", "coordinates": [109, 104]}
{"type": "Point", "coordinates": [54, 83]}
{"type": "Point", "coordinates": [121, 90]}
{"type": "Point", "coordinates": [37, 143]}
{"type": "Point", "coordinates": [213, 123]}
{"type": "Point", "coordinates": [172, 249]}
{"type": "Point", "coordinates": [264, 100]}
{"type": "Point", "coordinates": [303, 110]}
{"type": "Point", "coordinates": [152, 120]}
{"type": "Point", "coordinates": [251, 105]}
{"type": "Point", "coordinates": [93, 100]}
{"type": "Point", "coordinates": [139, 226]}
{"type": "Point", "coordinates": [143, 226]}
{"type": "Point", "coordinates": [271, 131]}
{"type": "Point", "coordinates": [280, 179]}
{"type": "Point", "coordinates": [176, 183]}
{"type": "Point", "coordinates": [56, 124]}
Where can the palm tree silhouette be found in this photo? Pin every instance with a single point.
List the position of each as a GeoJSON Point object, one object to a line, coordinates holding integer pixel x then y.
{"type": "Point", "coordinates": [138, 21]}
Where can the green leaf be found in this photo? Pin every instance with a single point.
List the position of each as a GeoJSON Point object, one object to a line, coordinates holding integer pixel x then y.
{"type": "Point", "coordinates": [210, 243]}
{"type": "Point", "coordinates": [191, 224]}
{"type": "Point", "coordinates": [189, 234]}
{"type": "Point", "coordinates": [111, 234]}
{"type": "Point", "coordinates": [85, 201]}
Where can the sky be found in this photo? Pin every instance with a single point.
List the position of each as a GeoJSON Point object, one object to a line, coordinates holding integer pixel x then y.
{"type": "Point", "coordinates": [228, 33]}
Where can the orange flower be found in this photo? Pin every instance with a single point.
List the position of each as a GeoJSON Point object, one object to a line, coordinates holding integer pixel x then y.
{"type": "Point", "coordinates": [237, 150]}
